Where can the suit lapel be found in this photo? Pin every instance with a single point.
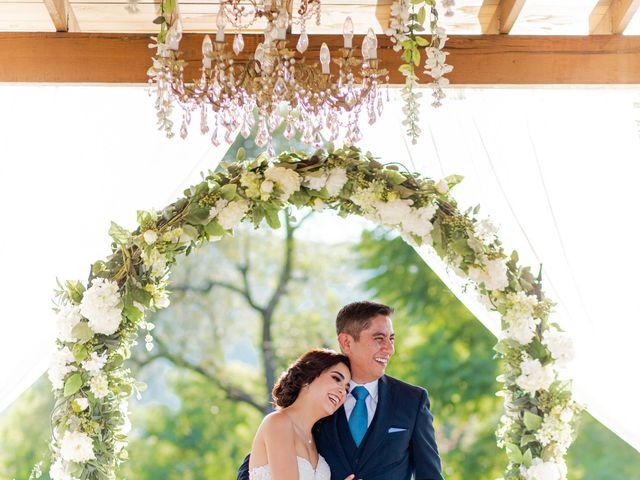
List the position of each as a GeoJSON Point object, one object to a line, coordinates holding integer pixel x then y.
{"type": "Point", "coordinates": [380, 426]}
{"type": "Point", "coordinates": [334, 437]}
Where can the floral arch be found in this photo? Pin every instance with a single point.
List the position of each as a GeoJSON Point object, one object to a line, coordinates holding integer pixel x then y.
{"type": "Point", "coordinates": [98, 322]}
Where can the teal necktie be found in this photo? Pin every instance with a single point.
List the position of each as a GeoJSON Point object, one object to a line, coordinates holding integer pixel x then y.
{"type": "Point", "coordinates": [358, 418]}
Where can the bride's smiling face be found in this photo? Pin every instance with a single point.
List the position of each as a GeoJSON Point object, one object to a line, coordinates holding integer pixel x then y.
{"type": "Point", "coordinates": [330, 388]}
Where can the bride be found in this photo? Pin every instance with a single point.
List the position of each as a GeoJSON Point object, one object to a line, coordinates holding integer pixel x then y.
{"type": "Point", "coordinates": [313, 387]}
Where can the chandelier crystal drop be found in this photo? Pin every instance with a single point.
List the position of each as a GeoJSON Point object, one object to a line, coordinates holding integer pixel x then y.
{"type": "Point", "coordinates": [275, 86]}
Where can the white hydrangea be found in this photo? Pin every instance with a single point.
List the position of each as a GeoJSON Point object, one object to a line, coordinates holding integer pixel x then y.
{"type": "Point", "coordinates": [560, 345]}
{"type": "Point", "coordinates": [365, 197]}
{"type": "Point", "coordinates": [418, 222]}
{"type": "Point", "coordinates": [287, 179]}
{"type": "Point", "coordinates": [534, 376]}
{"type": "Point", "coordinates": [68, 317]}
{"type": "Point", "coordinates": [59, 471]}
{"type": "Point", "coordinates": [554, 429]}
{"type": "Point", "coordinates": [101, 305]}
{"type": "Point", "coordinates": [99, 385]}
{"type": "Point", "coordinates": [76, 447]}
{"type": "Point", "coordinates": [494, 274]}
{"type": "Point", "coordinates": [393, 212]}
{"type": "Point", "coordinates": [94, 363]}
{"type": "Point", "coordinates": [541, 470]}
{"type": "Point", "coordinates": [60, 367]}
{"type": "Point", "coordinates": [336, 181]}
{"type": "Point", "coordinates": [316, 180]}
{"type": "Point", "coordinates": [233, 213]}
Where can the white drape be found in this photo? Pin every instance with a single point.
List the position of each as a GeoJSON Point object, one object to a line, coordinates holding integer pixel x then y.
{"type": "Point", "coordinates": [556, 169]}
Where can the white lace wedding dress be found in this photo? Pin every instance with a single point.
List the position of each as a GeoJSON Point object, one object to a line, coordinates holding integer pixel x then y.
{"type": "Point", "coordinates": [305, 470]}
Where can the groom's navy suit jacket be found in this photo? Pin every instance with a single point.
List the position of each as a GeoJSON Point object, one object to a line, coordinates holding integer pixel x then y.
{"type": "Point", "coordinates": [399, 443]}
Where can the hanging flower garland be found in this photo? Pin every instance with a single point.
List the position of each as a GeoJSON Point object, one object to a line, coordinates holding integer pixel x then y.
{"type": "Point", "coordinates": [406, 21]}
{"type": "Point", "coordinates": [97, 323]}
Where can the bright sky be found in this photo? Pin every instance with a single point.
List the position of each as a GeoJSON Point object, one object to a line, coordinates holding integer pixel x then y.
{"type": "Point", "coordinates": [556, 168]}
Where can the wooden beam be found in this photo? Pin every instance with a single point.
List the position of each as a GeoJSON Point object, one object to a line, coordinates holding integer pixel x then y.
{"type": "Point", "coordinates": [498, 16]}
{"type": "Point", "coordinates": [612, 16]}
{"type": "Point", "coordinates": [477, 60]}
{"type": "Point", "coordinates": [62, 15]}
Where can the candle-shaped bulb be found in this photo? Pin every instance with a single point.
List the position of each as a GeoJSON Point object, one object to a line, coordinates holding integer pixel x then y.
{"type": "Point", "coordinates": [366, 47]}
{"type": "Point", "coordinates": [347, 32]}
{"type": "Point", "coordinates": [220, 24]}
{"type": "Point", "coordinates": [373, 45]}
{"type": "Point", "coordinates": [325, 58]}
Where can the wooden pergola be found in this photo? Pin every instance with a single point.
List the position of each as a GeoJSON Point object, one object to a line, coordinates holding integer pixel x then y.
{"type": "Point", "coordinates": [492, 42]}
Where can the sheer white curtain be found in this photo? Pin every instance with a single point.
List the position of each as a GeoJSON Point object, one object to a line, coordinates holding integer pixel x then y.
{"type": "Point", "coordinates": [558, 170]}
{"type": "Point", "coordinates": [72, 160]}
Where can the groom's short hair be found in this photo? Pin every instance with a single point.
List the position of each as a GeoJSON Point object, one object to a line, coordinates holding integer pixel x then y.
{"type": "Point", "coordinates": [355, 317]}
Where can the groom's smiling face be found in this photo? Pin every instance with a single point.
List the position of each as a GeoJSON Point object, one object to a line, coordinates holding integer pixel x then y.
{"type": "Point", "coordinates": [370, 354]}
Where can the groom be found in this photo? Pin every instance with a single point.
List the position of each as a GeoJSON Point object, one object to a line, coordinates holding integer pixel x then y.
{"type": "Point", "coordinates": [384, 430]}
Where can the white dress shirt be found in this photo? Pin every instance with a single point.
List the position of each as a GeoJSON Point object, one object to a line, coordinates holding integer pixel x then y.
{"type": "Point", "coordinates": [371, 401]}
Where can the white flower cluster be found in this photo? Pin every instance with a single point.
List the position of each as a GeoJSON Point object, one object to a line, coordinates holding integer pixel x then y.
{"type": "Point", "coordinates": [101, 305]}
{"type": "Point", "coordinates": [560, 345]}
{"type": "Point", "coordinates": [94, 364]}
{"type": "Point", "coordinates": [60, 366]}
{"type": "Point", "coordinates": [411, 108]}
{"type": "Point", "coordinates": [286, 178]}
{"type": "Point", "coordinates": [333, 180]}
{"type": "Point", "coordinates": [493, 275]}
{"type": "Point", "coordinates": [60, 471]}
{"type": "Point", "coordinates": [411, 221]}
{"type": "Point", "coordinates": [154, 262]}
{"type": "Point", "coordinates": [541, 470]}
{"type": "Point", "coordinates": [521, 325]}
{"type": "Point", "coordinates": [534, 376]}
{"type": "Point", "coordinates": [68, 317]}
{"type": "Point", "coordinates": [229, 214]}
{"type": "Point", "coordinates": [398, 23]}
{"type": "Point", "coordinates": [435, 66]}
{"type": "Point", "coordinates": [556, 428]}
{"type": "Point", "coordinates": [76, 447]}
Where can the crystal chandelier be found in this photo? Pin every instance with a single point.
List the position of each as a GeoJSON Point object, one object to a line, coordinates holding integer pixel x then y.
{"type": "Point", "coordinates": [277, 82]}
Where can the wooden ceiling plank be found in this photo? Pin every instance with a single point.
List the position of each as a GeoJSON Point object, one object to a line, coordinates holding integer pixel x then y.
{"type": "Point", "coordinates": [478, 59]}
{"type": "Point", "coordinates": [499, 17]}
{"type": "Point", "coordinates": [62, 15]}
{"type": "Point", "coordinates": [612, 16]}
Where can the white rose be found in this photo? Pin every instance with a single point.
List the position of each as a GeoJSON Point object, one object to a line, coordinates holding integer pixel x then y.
{"type": "Point", "coordinates": [59, 471]}
{"type": "Point", "coordinates": [76, 447]}
{"type": "Point", "coordinates": [60, 367]}
{"type": "Point", "coordinates": [534, 376]}
{"type": "Point", "coordinates": [541, 470]}
{"type": "Point", "coordinates": [101, 306]}
{"type": "Point", "coordinates": [418, 221]}
{"type": "Point", "coordinates": [393, 212]}
{"type": "Point", "coordinates": [267, 186]}
{"type": "Point", "coordinates": [287, 179]}
{"type": "Point", "coordinates": [68, 317]}
{"type": "Point", "coordinates": [315, 180]}
{"type": "Point", "coordinates": [494, 275]}
{"type": "Point", "coordinates": [82, 403]}
{"type": "Point", "coordinates": [560, 345]}
{"type": "Point", "coordinates": [337, 179]}
{"type": "Point", "coordinates": [233, 214]}
{"type": "Point", "coordinates": [442, 186]}
{"type": "Point", "coordinates": [150, 236]}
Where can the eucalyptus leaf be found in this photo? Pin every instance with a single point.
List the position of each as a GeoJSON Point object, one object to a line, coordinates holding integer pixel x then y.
{"type": "Point", "coordinates": [214, 229]}
{"type": "Point", "coordinates": [273, 220]}
{"type": "Point", "coordinates": [531, 420]}
{"type": "Point", "coordinates": [514, 453]}
{"type": "Point", "coordinates": [73, 384]}
{"type": "Point", "coordinates": [82, 332]}
{"type": "Point", "coordinates": [228, 191]}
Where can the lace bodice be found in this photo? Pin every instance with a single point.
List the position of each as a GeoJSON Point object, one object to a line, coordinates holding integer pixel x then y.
{"type": "Point", "coordinates": [305, 471]}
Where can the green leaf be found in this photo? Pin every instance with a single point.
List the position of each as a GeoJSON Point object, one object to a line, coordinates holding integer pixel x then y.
{"type": "Point", "coordinates": [228, 191]}
{"type": "Point", "coordinates": [531, 420]}
{"type": "Point", "coordinates": [168, 6]}
{"type": "Point", "coordinates": [453, 180]}
{"type": "Point", "coordinates": [405, 68]}
{"type": "Point", "coordinates": [214, 229]}
{"type": "Point", "coordinates": [73, 384]}
{"type": "Point", "coordinates": [527, 458]}
{"type": "Point", "coordinates": [514, 453]}
{"type": "Point", "coordinates": [114, 362]}
{"type": "Point", "coordinates": [141, 296]}
{"type": "Point", "coordinates": [159, 20]}
{"type": "Point", "coordinates": [422, 15]}
{"type": "Point", "coordinates": [119, 234]}
{"type": "Point", "coordinates": [75, 290]}
{"type": "Point", "coordinates": [197, 215]}
{"type": "Point", "coordinates": [416, 57]}
{"type": "Point", "coordinates": [79, 352]}
{"type": "Point", "coordinates": [273, 220]}
{"type": "Point", "coordinates": [82, 332]}
{"type": "Point", "coordinates": [132, 313]}
{"type": "Point", "coordinates": [240, 154]}
{"type": "Point", "coordinates": [395, 177]}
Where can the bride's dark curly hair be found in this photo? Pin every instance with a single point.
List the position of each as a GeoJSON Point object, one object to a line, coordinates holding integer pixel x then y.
{"type": "Point", "coordinates": [302, 372]}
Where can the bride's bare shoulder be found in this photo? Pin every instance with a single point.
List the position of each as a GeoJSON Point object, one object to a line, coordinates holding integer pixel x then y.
{"type": "Point", "coordinates": [277, 423]}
